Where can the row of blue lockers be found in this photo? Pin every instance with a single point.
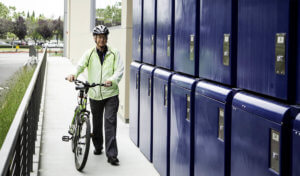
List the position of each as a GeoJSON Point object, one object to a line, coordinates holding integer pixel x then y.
{"type": "Point", "coordinates": [193, 127]}
{"type": "Point", "coordinates": [250, 44]}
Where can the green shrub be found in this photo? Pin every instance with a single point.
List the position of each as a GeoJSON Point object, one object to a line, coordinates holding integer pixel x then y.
{"type": "Point", "coordinates": [11, 98]}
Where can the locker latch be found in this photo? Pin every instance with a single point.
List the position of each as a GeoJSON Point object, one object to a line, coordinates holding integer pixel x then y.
{"type": "Point", "coordinates": [280, 53]}
{"type": "Point", "coordinates": [226, 49]}
{"type": "Point", "coordinates": [139, 49]}
{"type": "Point", "coordinates": [221, 124]}
{"type": "Point", "coordinates": [152, 43]}
{"type": "Point", "coordinates": [137, 81]}
{"type": "Point", "coordinates": [274, 151]}
{"type": "Point", "coordinates": [149, 86]}
{"type": "Point", "coordinates": [192, 47]}
{"type": "Point", "coordinates": [188, 106]}
{"type": "Point", "coordinates": [169, 45]}
{"type": "Point", "coordinates": [166, 96]}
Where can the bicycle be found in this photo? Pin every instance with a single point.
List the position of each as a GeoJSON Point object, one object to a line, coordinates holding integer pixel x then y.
{"type": "Point", "coordinates": [80, 128]}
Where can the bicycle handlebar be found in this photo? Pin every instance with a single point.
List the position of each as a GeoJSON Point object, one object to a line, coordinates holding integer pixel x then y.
{"type": "Point", "coordinates": [86, 84]}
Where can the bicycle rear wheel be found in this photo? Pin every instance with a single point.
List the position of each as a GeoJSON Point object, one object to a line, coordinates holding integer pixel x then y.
{"type": "Point", "coordinates": [82, 142]}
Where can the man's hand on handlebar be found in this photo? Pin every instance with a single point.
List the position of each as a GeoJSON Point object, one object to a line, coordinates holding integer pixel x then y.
{"type": "Point", "coordinates": [70, 78]}
{"type": "Point", "coordinates": [107, 83]}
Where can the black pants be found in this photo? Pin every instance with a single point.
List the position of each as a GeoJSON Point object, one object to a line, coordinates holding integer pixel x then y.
{"type": "Point", "coordinates": [110, 107]}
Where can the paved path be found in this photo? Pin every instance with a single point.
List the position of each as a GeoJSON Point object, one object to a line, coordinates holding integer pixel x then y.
{"type": "Point", "coordinates": [10, 63]}
{"type": "Point", "coordinates": [56, 157]}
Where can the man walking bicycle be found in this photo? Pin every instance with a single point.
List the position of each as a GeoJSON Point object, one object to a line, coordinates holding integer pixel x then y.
{"type": "Point", "coordinates": [104, 65]}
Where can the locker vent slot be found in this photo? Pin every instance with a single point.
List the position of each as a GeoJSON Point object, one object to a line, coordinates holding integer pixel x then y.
{"type": "Point", "coordinates": [221, 124]}
{"type": "Point", "coordinates": [274, 151]}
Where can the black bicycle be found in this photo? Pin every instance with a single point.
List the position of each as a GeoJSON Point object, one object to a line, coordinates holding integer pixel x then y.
{"type": "Point", "coordinates": [80, 128]}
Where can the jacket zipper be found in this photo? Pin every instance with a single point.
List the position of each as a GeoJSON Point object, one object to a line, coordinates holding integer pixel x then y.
{"type": "Point", "coordinates": [101, 77]}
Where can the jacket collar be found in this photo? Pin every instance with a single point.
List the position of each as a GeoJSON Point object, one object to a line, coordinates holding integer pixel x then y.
{"type": "Point", "coordinates": [109, 50]}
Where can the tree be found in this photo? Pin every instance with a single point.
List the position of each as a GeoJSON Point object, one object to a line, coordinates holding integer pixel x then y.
{"type": "Point", "coordinates": [4, 11]}
{"type": "Point", "coordinates": [45, 29]}
{"type": "Point", "coordinates": [32, 27]}
{"type": "Point", "coordinates": [111, 15]}
{"type": "Point", "coordinates": [5, 26]}
{"type": "Point", "coordinates": [58, 29]}
{"type": "Point", "coordinates": [116, 13]}
{"type": "Point", "coordinates": [19, 28]}
{"type": "Point", "coordinates": [33, 14]}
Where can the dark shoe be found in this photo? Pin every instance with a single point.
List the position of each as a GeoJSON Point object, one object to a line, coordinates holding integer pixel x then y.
{"type": "Point", "coordinates": [97, 152]}
{"type": "Point", "coordinates": [113, 161]}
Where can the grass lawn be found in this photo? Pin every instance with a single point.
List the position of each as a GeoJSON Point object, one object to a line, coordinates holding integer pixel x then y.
{"type": "Point", "coordinates": [11, 98]}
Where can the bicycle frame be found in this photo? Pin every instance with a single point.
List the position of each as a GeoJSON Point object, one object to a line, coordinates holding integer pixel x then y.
{"type": "Point", "coordinates": [81, 107]}
{"type": "Point", "coordinates": [80, 123]}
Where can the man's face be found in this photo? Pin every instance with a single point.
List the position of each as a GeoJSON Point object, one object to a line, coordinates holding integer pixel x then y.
{"type": "Point", "coordinates": [100, 40]}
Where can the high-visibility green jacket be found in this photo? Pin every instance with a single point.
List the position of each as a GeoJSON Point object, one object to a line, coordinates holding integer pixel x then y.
{"type": "Point", "coordinates": [111, 70]}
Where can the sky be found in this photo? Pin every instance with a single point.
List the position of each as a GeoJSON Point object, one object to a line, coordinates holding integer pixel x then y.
{"type": "Point", "coordinates": [49, 8]}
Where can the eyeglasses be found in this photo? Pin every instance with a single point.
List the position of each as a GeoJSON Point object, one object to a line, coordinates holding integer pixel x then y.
{"type": "Point", "coordinates": [102, 37]}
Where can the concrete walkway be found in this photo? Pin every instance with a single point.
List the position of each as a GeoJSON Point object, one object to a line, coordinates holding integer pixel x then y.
{"type": "Point", "coordinates": [56, 157]}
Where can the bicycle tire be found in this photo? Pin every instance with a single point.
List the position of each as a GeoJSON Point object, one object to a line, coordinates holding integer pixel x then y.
{"type": "Point", "coordinates": [73, 135]}
{"type": "Point", "coordinates": [80, 163]}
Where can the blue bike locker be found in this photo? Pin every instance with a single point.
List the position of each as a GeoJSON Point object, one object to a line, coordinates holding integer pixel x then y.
{"type": "Point", "coordinates": [298, 61]}
{"type": "Point", "coordinates": [185, 37]}
{"type": "Point", "coordinates": [146, 98]}
{"type": "Point", "coordinates": [165, 34]}
{"type": "Point", "coordinates": [182, 119]}
{"type": "Point", "coordinates": [263, 55]}
{"type": "Point", "coordinates": [212, 129]}
{"type": "Point", "coordinates": [259, 136]}
{"type": "Point", "coordinates": [137, 30]}
{"type": "Point", "coordinates": [296, 147]}
{"type": "Point", "coordinates": [161, 120]}
{"type": "Point", "coordinates": [149, 34]}
{"type": "Point", "coordinates": [217, 44]}
{"type": "Point", "coordinates": [134, 102]}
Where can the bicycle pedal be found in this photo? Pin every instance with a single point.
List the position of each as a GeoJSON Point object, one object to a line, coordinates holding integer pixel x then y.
{"type": "Point", "coordinates": [66, 138]}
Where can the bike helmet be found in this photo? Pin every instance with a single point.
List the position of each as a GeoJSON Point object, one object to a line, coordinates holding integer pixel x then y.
{"type": "Point", "coordinates": [100, 29]}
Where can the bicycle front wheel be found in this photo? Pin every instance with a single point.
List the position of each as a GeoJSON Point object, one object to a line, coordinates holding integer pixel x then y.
{"type": "Point", "coordinates": [82, 142]}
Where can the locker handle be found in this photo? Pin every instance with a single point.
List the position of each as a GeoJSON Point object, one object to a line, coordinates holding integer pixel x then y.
{"type": "Point", "coordinates": [149, 86]}
{"type": "Point", "coordinates": [137, 81]}
{"type": "Point", "coordinates": [152, 43]}
{"type": "Point", "coordinates": [139, 49]}
{"type": "Point", "coordinates": [226, 49]}
{"type": "Point", "coordinates": [221, 124]}
{"type": "Point", "coordinates": [274, 150]}
{"type": "Point", "coordinates": [192, 47]}
{"type": "Point", "coordinates": [188, 107]}
{"type": "Point", "coordinates": [169, 45]}
{"type": "Point", "coordinates": [166, 95]}
{"type": "Point", "coordinates": [280, 53]}
{"type": "Point", "coordinates": [275, 156]}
